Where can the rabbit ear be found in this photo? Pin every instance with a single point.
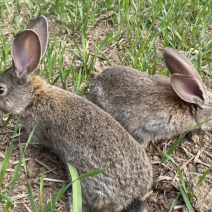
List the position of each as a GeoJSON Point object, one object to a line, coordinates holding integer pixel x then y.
{"type": "Point", "coordinates": [40, 26]}
{"type": "Point", "coordinates": [176, 62]}
{"type": "Point", "coordinates": [188, 88]}
{"type": "Point", "coordinates": [26, 51]}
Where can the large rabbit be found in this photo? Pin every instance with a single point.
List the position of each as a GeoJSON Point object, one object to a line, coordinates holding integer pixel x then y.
{"type": "Point", "coordinates": [77, 130]}
{"type": "Point", "coordinates": [154, 107]}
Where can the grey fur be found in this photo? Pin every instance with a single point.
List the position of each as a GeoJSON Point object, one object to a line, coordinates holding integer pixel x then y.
{"type": "Point", "coordinates": [136, 206]}
{"type": "Point", "coordinates": [154, 107]}
{"type": "Point", "coordinates": [77, 130]}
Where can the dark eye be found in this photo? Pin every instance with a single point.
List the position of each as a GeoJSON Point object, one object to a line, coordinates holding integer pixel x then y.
{"type": "Point", "coordinates": [1, 90]}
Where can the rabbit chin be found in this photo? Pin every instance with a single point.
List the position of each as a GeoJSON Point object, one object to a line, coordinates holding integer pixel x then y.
{"type": "Point", "coordinates": [12, 110]}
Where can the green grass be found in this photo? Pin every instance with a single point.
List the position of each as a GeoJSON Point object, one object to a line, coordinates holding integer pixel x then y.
{"type": "Point", "coordinates": [135, 31]}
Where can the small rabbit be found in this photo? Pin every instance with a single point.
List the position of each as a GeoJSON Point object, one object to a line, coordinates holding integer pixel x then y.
{"type": "Point", "coordinates": [74, 128]}
{"type": "Point", "coordinates": [154, 107]}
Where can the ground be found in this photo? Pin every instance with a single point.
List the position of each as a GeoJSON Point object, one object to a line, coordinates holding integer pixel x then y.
{"type": "Point", "coordinates": [193, 155]}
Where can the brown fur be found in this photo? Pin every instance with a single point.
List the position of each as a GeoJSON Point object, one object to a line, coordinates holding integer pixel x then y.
{"type": "Point", "coordinates": [88, 138]}
{"type": "Point", "coordinates": [81, 134]}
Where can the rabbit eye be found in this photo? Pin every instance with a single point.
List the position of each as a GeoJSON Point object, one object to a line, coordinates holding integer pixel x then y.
{"type": "Point", "coordinates": [2, 90]}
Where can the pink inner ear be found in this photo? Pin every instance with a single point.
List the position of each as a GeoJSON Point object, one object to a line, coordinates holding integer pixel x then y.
{"type": "Point", "coordinates": [26, 51]}
{"type": "Point", "coordinates": [188, 88]}
{"type": "Point", "coordinates": [176, 62]}
{"type": "Point", "coordinates": [22, 57]}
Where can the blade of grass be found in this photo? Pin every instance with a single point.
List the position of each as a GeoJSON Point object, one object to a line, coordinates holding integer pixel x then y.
{"type": "Point", "coordinates": [6, 122]}
{"type": "Point", "coordinates": [41, 191]}
{"type": "Point", "coordinates": [186, 200]}
{"type": "Point", "coordinates": [29, 139]}
{"type": "Point", "coordinates": [167, 155]}
{"type": "Point", "coordinates": [9, 201]}
{"type": "Point", "coordinates": [56, 197]}
{"type": "Point", "coordinates": [203, 176]}
{"type": "Point", "coordinates": [5, 164]}
{"type": "Point", "coordinates": [174, 202]}
{"type": "Point", "coordinates": [31, 198]}
{"type": "Point", "coordinates": [182, 179]}
{"type": "Point", "coordinates": [16, 176]}
{"type": "Point", "coordinates": [91, 174]}
{"type": "Point", "coordinates": [76, 189]}
{"type": "Point", "coordinates": [8, 205]}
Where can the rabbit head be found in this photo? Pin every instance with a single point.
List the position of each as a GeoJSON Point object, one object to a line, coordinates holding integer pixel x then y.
{"type": "Point", "coordinates": [188, 85]}
{"type": "Point", "coordinates": [27, 48]}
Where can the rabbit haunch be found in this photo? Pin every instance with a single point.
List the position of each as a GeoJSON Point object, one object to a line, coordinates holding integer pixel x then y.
{"type": "Point", "coordinates": [74, 128]}
{"type": "Point", "coordinates": [154, 107]}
